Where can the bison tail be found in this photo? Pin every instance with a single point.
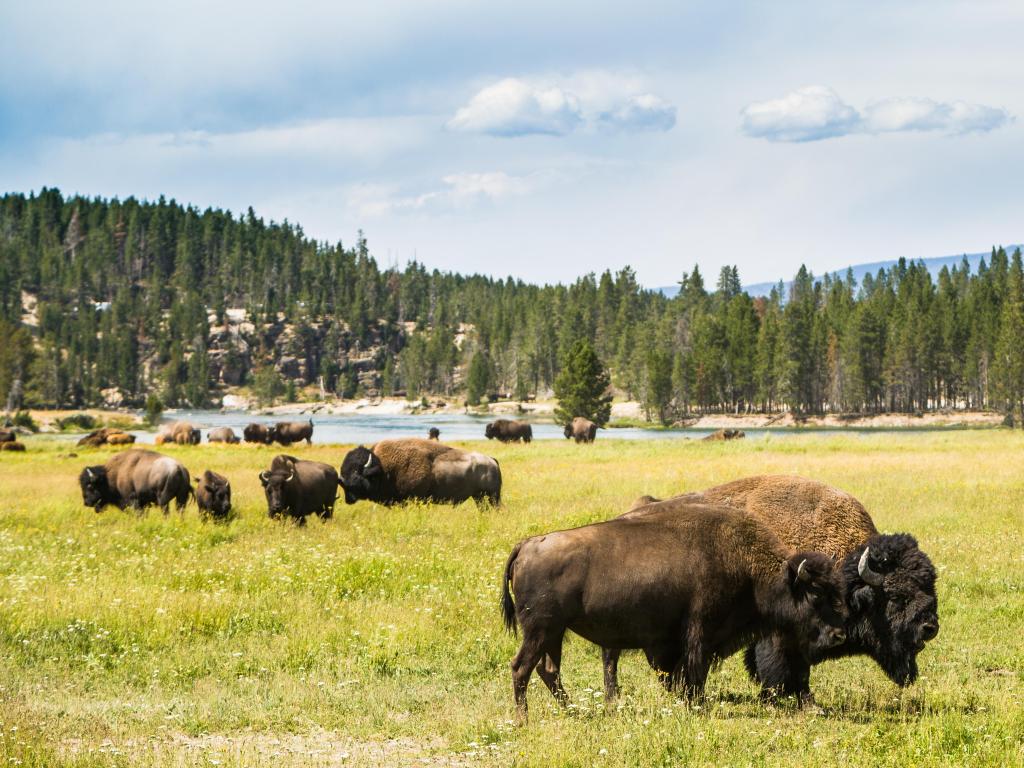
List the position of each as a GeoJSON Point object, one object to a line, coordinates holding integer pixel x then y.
{"type": "Point", "coordinates": [508, 605]}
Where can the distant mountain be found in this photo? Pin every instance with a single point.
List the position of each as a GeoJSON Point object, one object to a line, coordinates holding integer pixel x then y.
{"type": "Point", "coordinates": [934, 266]}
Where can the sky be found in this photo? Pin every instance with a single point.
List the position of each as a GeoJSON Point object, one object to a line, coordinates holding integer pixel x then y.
{"type": "Point", "coordinates": [536, 139]}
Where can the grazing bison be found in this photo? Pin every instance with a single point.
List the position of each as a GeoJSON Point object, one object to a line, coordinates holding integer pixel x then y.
{"type": "Point", "coordinates": [222, 435]}
{"type": "Point", "coordinates": [507, 431]}
{"type": "Point", "coordinates": [689, 587]}
{"type": "Point", "coordinates": [136, 479]}
{"type": "Point", "coordinates": [392, 471]}
{"type": "Point", "coordinates": [178, 432]}
{"type": "Point", "coordinates": [106, 436]}
{"type": "Point", "coordinates": [213, 495]}
{"type": "Point", "coordinates": [434, 433]}
{"type": "Point", "coordinates": [889, 581]}
{"type": "Point", "coordinates": [12, 445]}
{"type": "Point", "coordinates": [581, 430]}
{"type": "Point", "coordinates": [8, 436]}
{"type": "Point", "coordinates": [288, 432]}
{"type": "Point", "coordinates": [298, 488]}
{"type": "Point", "coordinates": [257, 433]}
{"type": "Point", "coordinates": [726, 434]}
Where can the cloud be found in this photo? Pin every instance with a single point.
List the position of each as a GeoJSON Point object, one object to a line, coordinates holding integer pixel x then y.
{"type": "Point", "coordinates": [920, 114]}
{"type": "Point", "coordinates": [808, 114]}
{"type": "Point", "coordinates": [514, 107]}
{"type": "Point", "coordinates": [817, 112]}
{"type": "Point", "coordinates": [459, 191]}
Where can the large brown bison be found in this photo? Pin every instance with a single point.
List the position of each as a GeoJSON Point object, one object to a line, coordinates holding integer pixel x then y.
{"type": "Point", "coordinates": [135, 479]}
{"type": "Point", "coordinates": [298, 488]}
{"type": "Point", "coordinates": [106, 436]}
{"type": "Point", "coordinates": [889, 581]}
{"type": "Point", "coordinates": [213, 495]}
{"type": "Point", "coordinates": [178, 432]}
{"type": "Point", "coordinates": [12, 445]}
{"type": "Point", "coordinates": [288, 432]}
{"type": "Point", "coordinates": [222, 435]}
{"type": "Point", "coordinates": [392, 471]}
{"type": "Point", "coordinates": [581, 430]}
{"type": "Point", "coordinates": [8, 436]}
{"type": "Point", "coordinates": [689, 586]}
{"type": "Point", "coordinates": [507, 431]}
{"type": "Point", "coordinates": [257, 433]}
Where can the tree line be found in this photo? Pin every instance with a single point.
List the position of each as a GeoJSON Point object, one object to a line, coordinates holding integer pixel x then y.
{"type": "Point", "coordinates": [128, 295]}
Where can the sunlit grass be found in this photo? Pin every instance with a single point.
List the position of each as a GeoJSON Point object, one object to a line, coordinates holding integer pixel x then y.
{"type": "Point", "coordinates": [376, 639]}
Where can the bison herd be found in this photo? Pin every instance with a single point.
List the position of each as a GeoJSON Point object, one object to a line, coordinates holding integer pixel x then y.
{"type": "Point", "coordinates": [789, 570]}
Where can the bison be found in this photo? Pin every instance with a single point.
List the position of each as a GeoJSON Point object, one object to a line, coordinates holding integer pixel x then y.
{"type": "Point", "coordinates": [581, 430]}
{"type": "Point", "coordinates": [288, 432]}
{"type": "Point", "coordinates": [434, 433]}
{"type": "Point", "coordinates": [889, 581]}
{"type": "Point", "coordinates": [507, 431]}
{"type": "Point", "coordinates": [12, 445]}
{"type": "Point", "coordinates": [689, 587]}
{"type": "Point", "coordinates": [298, 488]}
{"type": "Point", "coordinates": [135, 479]}
{"type": "Point", "coordinates": [106, 436]}
{"type": "Point", "coordinates": [392, 471]}
{"type": "Point", "coordinates": [222, 435]}
{"type": "Point", "coordinates": [178, 432]}
{"type": "Point", "coordinates": [8, 436]}
{"type": "Point", "coordinates": [213, 495]}
{"type": "Point", "coordinates": [726, 434]}
{"type": "Point", "coordinates": [257, 433]}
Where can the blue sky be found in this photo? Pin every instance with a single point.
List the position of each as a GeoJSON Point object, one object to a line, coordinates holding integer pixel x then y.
{"type": "Point", "coordinates": [535, 140]}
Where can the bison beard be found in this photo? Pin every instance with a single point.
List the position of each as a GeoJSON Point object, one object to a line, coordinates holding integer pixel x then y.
{"type": "Point", "coordinates": [691, 587]}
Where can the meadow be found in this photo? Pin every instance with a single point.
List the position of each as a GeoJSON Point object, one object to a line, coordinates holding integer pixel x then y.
{"type": "Point", "coordinates": [375, 638]}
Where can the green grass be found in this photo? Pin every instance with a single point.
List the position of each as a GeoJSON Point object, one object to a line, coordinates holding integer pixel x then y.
{"type": "Point", "coordinates": [375, 639]}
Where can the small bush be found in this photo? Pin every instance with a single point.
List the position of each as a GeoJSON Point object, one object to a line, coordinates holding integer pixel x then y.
{"type": "Point", "coordinates": [24, 419]}
{"type": "Point", "coordinates": [78, 422]}
{"type": "Point", "coordinates": [154, 409]}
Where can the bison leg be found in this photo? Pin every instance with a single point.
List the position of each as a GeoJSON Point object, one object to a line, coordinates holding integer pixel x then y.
{"type": "Point", "coordinates": [530, 653]}
{"type": "Point", "coordinates": [610, 657]}
{"type": "Point", "coordinates": [697, 660]}
{"type": "Point", "coordinates": [664, 659]}
{"type": "Point", "coordinates": [550, 670]}
{"type": "Point", "coordinates": [781, 670]}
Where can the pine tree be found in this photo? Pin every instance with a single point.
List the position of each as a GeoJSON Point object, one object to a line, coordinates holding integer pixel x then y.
{"type": "Point", "coordinates": [581, 387]}
{"type": "Point", "coordinates": [478, 380]}
{"type": "Point", "coordinates": [1008, 363]}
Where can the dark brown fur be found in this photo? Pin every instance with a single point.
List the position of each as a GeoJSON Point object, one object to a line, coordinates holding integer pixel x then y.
{"type": "Point", "coordinates": [213, 495]}
{"type": "Point", "coordinates": [507, 431]}
{"type": "Point", "coordinates": [136, 479]}
{"type": "Point", "coordinates": [581, 430]}
{"type": "Point", "coordinates": [288, 432]}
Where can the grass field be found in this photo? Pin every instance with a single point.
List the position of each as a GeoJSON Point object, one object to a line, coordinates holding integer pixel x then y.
{"type": "Point", "coordinates": [375, 639]}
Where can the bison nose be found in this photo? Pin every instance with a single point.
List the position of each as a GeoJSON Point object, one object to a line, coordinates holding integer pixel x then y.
{"type": "Point", "coordinates": [838, 636]}
{"type": "Point", "coordinates": [929, 630]}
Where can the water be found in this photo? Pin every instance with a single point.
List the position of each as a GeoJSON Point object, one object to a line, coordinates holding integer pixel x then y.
{"type": "Point", "coordinates": [369, 428]}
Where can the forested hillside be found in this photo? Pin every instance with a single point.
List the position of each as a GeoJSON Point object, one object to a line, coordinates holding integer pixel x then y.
{"type": "Point", "coordinates": [108, 300]}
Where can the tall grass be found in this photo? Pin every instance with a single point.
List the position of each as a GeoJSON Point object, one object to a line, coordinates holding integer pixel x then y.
{"type": "Point", "coordinates": [375, 639]}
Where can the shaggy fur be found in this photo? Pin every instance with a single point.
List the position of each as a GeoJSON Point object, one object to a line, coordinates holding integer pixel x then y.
{"type": "Point", "coordinates": [257, 433]}
{"type": "Point", "coordinates": [298, 488]}
{"type": "Point", "coordinates": [106, 436]}
{"type": "Point", "coordinates": [392, 471]}
{"type": "Point", "coordinates": [288, 432]}
{"type": "Point", "coordinates": [136, 479]}
{"type": "Point", "coordinates": [213, 495]}
{"type": "Point", "coordinates": [12, 445]}
{"type": "Point", "coordinates": [688, 582]}
{"type": "Point", "coordinates": [581, 430]}
{"type": "Point", "coordinates": [507, 431]}
{"type": "Point", "coordinates": [890, 623]}
{"type": "Point", "coordinates": [222, 435]}
{"type": "Point", "coordinates": [178, 432]}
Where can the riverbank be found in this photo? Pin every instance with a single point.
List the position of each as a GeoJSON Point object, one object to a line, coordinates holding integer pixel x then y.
{"type": "Point", "coordinates": [626, 414]}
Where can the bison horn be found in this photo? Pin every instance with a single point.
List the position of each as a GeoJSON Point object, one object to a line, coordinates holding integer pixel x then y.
{"type": "Point", "coordinates": [802, 573]}
{"type": "Point", "coordinates": [290, 476]}
{"type": "Point", "coordinates": [864, 569]}
{"type": "Point", "coordinates": [369, 461]}
{"type": "Point", "coordinates": [264, 476]}
{"type": "Point", "coordinates": [89, 473]}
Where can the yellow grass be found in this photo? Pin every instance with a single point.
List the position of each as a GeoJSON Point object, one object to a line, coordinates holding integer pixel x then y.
{"type": "Point", "coordinates": [375, 639]}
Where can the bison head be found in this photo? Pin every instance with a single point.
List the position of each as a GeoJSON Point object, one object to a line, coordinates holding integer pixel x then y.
{"type": "Point", "coordinates": [434, 433]}
{"type": "Point", "coordinates": [95, 488]}
{"type": "Point", "coordinates": [489, 431]}
{"type": "Point", "coordinates": [357, 472]}
{"type": "Point", "coordinates": [816, 588]}
{"type": "Point", "coordinates": [567, 431]}
{"type": "Point", "coordinates": [194, 436]}
{"type": "Point", "coordinates": [276, 485]}
{"type": "Point", "coordinates": [215, 490]}
{"type": "Point", "coordinates": [892, 601]}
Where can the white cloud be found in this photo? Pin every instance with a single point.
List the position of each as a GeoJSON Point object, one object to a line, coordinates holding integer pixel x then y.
{"type": "Point", "coordinates": [459, 191]}
{"type": "Point", "coordinates": [808, 114]}
{"type": "Point", "coordinates": [645, 112]}
{"type": "Point", "coordinates": [817, 112]}
{"type": "Point", "coordinates": [920, 114]}
{"type": "Point", "coordinates": [514, 107]}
